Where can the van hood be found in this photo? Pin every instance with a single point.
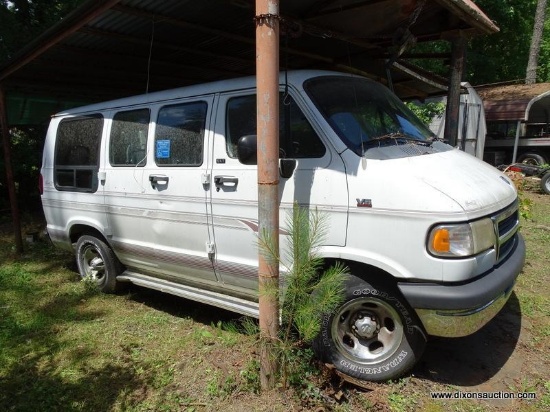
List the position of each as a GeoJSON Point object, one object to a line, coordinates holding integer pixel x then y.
{"type": "Point", "coordinates": [473, 184]}
{"type": "Point", "coordinates": [445, 183]}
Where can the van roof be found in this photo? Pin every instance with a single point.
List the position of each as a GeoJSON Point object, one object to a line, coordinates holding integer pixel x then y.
{"type": "Point", "coordinates": [295, 77]}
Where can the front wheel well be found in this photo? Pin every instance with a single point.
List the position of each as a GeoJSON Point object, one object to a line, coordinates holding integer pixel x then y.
{"type": "Point", "coordinates": [368, 273]}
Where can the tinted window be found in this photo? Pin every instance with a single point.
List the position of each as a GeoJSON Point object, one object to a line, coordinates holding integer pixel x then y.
{"type": "Point", "coordinates": [77, 153]}
{"type": "Point", "coordinates": [363, 112]}
{"type": "Point", "coordinates": [128, 140]}
{"type": "Point", "coordinates": [297, 137]}
{"type": "Point", "coordinates": [179, 136]}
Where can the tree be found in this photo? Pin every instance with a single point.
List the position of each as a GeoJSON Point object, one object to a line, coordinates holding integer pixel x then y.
{"type": "Point", "coordinates": [538, 28]}
{"type": "Point", "coordinates": [502, 56]}
{"type": "Point", "coordinates": [497, 57]}
{"type": "Point", "coordinates": [23, 20]}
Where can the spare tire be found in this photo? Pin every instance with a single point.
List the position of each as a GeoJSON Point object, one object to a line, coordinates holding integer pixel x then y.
{"type": "Point", "coordinates": [532, 159]}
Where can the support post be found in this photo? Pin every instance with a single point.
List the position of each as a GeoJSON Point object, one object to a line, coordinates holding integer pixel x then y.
{"type": "Point", "coordinates": [458, 53]}
{"type": "Point", "coordinates": [267, 81]}
{"type": "Point", "coordinates": [516, 141]}
{"type": "Point", "coordinates": [9, 173]}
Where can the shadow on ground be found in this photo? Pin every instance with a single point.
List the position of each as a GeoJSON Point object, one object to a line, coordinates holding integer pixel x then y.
{"type": "Point", "coordinates": [180, 307]}
{"type": "Point", "coordinates": [474, 359]}
{"type": "Point", "coordinates": [33, 378]}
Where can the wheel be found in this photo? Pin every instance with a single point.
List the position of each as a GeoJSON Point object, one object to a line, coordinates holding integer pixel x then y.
{"type": "Point", "coordinates": [97, 260]}
{"type": "Point", "coordinates": [373, 335]}
{"type": "Point", "coordinates": [532, 159]}
{"type": "Point", "coordinates": [545, 183]}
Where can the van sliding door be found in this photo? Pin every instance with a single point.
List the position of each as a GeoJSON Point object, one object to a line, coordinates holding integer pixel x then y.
{"type": "Point", "coordinates": [157, 196]}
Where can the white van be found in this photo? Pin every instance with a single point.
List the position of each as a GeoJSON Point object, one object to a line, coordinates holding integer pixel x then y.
{"type": "Point", "coordinates": [161, 190]}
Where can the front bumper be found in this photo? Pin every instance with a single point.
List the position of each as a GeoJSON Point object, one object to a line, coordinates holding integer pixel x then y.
{"type": "Point", "coordinates": [454, 310]}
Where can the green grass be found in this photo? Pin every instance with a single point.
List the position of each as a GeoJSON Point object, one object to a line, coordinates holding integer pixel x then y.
{"type": "Point", "coordinates": [66, 347]}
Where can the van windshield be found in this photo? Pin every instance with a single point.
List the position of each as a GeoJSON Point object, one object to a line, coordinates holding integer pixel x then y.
{"type": "Point", "coordinates": [366, 114]}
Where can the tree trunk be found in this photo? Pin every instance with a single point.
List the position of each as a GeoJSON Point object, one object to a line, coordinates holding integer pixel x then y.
{"type": "Point", "coordinates": [538, 27]}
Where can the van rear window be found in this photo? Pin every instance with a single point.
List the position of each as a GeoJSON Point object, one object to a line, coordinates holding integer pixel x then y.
{"type": "Point", "coordinates": [128, 142]}
{"type": "Point", "coordinates": [77, 153]}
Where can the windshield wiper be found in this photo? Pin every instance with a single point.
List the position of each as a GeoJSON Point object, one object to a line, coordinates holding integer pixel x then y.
{"type": "Point", "coordinates": [398, 138]}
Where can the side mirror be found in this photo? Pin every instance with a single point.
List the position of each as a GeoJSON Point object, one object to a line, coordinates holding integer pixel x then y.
{"type": "Point", "coordinates": [247, 149]}
{"type": "Point", "coordinates": [287, 167]}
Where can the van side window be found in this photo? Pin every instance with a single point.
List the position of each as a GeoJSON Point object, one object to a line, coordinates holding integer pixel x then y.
{"type": "Point", "coordinates": [297, 137]}
{"type": "Point", "coordinates": [179, 136]}
{"type": "Point", "coordinates": [128, 140]}
{"type": "Point", "coordinates": [77, 153]}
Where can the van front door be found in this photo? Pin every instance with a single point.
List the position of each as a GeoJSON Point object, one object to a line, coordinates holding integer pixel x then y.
{"type": "Point", "coordinates": [319, 181]}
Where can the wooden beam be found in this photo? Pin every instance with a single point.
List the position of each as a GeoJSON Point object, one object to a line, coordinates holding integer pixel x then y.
{"type": "Point", "coordinates": [51, 39]}
{"type": "Point", "coordinates": [467, 11]}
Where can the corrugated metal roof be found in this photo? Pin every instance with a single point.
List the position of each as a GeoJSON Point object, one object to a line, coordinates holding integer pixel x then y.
{"type": "Point", "coordinates": [525, 102]}
{"type": "Point", "coordinates": [108, 48]}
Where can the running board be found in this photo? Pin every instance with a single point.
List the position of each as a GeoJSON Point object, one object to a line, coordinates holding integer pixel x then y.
{"type": "Point", "coordinates": [242, 306]}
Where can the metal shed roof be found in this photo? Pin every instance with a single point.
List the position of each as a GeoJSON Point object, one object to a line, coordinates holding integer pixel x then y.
{"type": "Point", "coordinates": [114, 48]}
{"type": "Point", "coordinates": [524, 102]}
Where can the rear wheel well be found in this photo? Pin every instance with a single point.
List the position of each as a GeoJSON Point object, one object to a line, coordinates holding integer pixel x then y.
{"type": "Point", "coordinates": [79, 230]}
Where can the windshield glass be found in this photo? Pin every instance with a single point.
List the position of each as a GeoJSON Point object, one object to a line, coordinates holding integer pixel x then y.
{"type": "Point", "coordinates": [365, 114]}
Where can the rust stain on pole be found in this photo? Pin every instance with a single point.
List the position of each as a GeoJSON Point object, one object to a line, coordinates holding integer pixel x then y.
{"type": "Point", "coordinates": [9, 173]}
{"type": "Point", "coordinates": [267, 78]}
{"type": "Point", "coordinates": [453, 98]}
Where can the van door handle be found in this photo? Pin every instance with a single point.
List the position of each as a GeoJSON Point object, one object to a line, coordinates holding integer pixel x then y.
{"type": "Point", "coordinates": [230, 181]}
{"type": "Point", "coordinates": [158, 180]}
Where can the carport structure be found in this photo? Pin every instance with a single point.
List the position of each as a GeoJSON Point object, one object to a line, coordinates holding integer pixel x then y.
{"type": "Point", "coordinates": [114, 48]}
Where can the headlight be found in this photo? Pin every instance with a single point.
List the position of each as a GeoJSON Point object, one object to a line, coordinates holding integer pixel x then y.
{"type": "Point", "coordinates": [462, 240]}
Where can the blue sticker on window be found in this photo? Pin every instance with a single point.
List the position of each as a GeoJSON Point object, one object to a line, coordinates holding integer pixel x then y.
{"type": "Point", "coordinates": [163, 149]}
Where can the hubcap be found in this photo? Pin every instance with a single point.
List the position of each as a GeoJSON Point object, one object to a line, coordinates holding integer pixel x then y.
{"type": "Point", "coordinates": [365, 326]}
{"type": "Point", "coordinates": [93, 264]}
{"type": "Point", "coordinates": [367, 330]}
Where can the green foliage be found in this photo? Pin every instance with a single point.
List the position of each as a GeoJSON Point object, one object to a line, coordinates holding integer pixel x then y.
{"type": "Point", "coordinates": [26, 148]}
{"type": "Point", "coordinates": [90, 285]}
{"type": "Point", "coordinates": [427, 111]}
{"type": "Point", "coordinates": [311, 288]}
{"type": "Point", "coordinates": [496, 57]}
{"type": "Point", "coordinates": [502, 56]}
{"type": "Point", "coordinates": [525, 205]}
{"type": "Point", "coordinates": [436, 66]}
{"type": "Point", "coordinates": [21, 21]}
{"type": "Point", "coordinates": [251, 376]}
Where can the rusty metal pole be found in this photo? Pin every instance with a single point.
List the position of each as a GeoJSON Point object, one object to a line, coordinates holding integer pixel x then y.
{"type": "Point", "coordinates": [9, 173]}
{"type": "Point", "coordinates": [458, 53]}
{"type": "Point", "coordinates": [267, 82]}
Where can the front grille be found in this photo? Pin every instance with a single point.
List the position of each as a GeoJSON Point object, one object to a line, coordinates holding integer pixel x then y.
{"type": "Point", "coordinates": [506, 224]}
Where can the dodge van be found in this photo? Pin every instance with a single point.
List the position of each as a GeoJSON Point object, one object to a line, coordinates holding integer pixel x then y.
{"type": "Point", "coordinates": [160, 190]}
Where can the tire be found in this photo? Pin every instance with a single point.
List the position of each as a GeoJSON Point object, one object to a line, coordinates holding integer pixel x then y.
{"type": "Point", "coordinates": [97, 260]}
{"type": "Point", "coordinates": [545, 183]}
{"type": "Point", "coordinates": [392, 339]}
{"type": "Point", "coordinates": [532, 159]}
